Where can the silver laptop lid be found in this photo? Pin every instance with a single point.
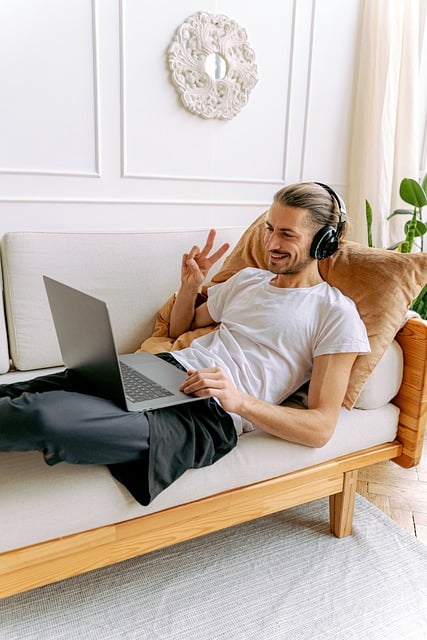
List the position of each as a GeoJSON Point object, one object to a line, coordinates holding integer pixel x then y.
{"type": "Point", "coordinates": [86, 340]}
{"type": "Point", "coordinates": [88, 349]}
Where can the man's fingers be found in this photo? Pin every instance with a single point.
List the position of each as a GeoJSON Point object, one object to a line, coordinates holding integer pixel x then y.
{"type": "Point", "coordinates": [200, 381]}
{"type": "Point", "coordinates": [219, 253]}
{"type": "Point", "coordinates": [209, 243]}
{"type": "Point", "coordinates": [208, 248]}
{"type": "Point", "coordinates": [194, 252]}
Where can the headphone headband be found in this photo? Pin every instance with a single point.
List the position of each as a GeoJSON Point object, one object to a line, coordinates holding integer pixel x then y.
{"type": "Point", "coordinates": [326, 240]}
{"type": "Point", "coordinates": [338, 200]}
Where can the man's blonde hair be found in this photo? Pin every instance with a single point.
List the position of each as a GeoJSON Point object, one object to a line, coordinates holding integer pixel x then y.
{"type": "Point", "coordinates": [322, 207]}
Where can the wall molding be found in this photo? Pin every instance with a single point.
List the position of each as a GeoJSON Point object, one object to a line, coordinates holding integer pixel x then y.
{"type": "Point", "coordinates": [301, 53]}
{"type": "Point", "coordinates": [166, 177]}
{"type": "Point", "coordinates": [308, 90]}
{"type": "Point", "coordinates": [54, 174]}
{"type": "Point", "coordinates": [289, 93]}
{"type": "Point", "coordinates": [122, 90]}
{"type": "Point", "coordinates": [96, 119]}
{"type": "Point", "coordinates": [123, 137]}
{"type": "Point", "coordinates": [137, 201]}
{"type": "Point", "coordinates": [96, 101]}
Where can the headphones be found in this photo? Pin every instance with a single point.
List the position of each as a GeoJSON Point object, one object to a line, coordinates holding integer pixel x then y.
{"type": "Point", "coordinates": [326, 240]}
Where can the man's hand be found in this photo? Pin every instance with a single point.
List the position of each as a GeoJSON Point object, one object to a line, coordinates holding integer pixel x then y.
{"type": "Point", "coordinates": [213, 382]}
{"type": "Point", "coordinates": [194, 269]}
{"type": "Point", "coordinates": [196, 264]}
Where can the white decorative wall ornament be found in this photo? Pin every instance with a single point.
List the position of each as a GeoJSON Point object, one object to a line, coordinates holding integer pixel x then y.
{"type": "Point", "coordinates": [213, 67]}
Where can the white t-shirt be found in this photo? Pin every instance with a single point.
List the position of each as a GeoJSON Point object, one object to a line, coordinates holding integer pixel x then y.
{"type": "Point", "coordinates": [268, 336]}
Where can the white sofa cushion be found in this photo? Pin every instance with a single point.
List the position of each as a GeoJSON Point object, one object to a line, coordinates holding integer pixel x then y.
{"type": "Point", "coordinates": [384, 381]}
{"type": "Point", "coordinates": [107, 265]}
{"type": "Point", "coordinates": [70, 498]}
{"type": "Point", "coordinates": [4, 351]}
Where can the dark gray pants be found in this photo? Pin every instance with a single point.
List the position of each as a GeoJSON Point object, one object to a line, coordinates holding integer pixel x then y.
{"type": "Point", "coordinates": [47, 414]}
{"type": "Point", "coordinates": [145, 451]}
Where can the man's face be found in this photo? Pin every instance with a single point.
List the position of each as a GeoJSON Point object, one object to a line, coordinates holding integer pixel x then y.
{"type": "Point", "coordinates": [287, 239]}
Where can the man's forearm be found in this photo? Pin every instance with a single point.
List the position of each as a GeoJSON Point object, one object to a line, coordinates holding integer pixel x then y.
{"type": "Point", "coordinates": [311, 427]}
{"type": "Point", "coordinates": [182, 313]}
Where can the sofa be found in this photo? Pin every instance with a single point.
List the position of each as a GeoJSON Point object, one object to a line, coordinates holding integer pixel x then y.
{"type": "Point", "coordinates": [57, 522]}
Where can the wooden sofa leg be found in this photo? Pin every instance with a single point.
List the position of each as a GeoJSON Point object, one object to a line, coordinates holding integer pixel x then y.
{"type": "Point", "coordinates": [341, 506]}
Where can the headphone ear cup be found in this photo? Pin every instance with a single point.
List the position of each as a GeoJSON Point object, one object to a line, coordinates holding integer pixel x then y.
{"type": "Point", "coordinates": [325, 243]}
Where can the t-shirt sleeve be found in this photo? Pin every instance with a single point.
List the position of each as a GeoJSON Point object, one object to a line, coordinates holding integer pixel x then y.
{"type": "Point", "coordinates": [343, 331]}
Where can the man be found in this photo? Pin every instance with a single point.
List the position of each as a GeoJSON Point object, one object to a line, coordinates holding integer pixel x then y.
{"type": "Point", "coordinates": [278, 329]}
{"type": "Point", "coordinates": [314, 306]}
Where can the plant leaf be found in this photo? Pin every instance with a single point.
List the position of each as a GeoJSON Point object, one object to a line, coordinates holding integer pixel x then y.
{"type": "Point", "coordinates": [405, 247]}
{"type": "Point", "coordinates": [368, 213]}
{"type": "Point", "coordinates": [395, 245]}
{"type": "Point", "coordinates": [412, 192]}
{"type": "Point", "coordinates": [419, 304]}
{"type": "Point", "coordinates": [420, 227]}
{"type": "Point", "coordinates": [424, 183]}
{"type": "Point", "coordinates": [400, 212]}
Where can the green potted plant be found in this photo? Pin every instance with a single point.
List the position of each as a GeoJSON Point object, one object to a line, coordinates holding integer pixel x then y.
{"type": "Point", "coordinates": [415, 194]}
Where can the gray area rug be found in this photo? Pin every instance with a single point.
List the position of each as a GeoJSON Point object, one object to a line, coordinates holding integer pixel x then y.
{"type": "Point", "coordinates": [281, 577]}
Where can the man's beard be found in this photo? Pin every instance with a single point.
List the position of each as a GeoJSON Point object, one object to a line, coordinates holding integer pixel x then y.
{"type": "Point", "coordinates": [289, 269]}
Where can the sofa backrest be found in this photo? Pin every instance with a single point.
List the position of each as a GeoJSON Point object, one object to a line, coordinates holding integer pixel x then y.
{"type": "Point", "coordinates": [134, 272]}
{"type": "Point", "coordinates": [4, 351]}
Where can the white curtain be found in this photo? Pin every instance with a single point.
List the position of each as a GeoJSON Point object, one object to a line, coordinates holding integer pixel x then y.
{"type": "Point", "coordinates": [388, 126]}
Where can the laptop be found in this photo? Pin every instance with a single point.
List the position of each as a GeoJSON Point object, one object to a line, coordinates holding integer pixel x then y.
{"type": "Point", "coordinates": [135, 382]}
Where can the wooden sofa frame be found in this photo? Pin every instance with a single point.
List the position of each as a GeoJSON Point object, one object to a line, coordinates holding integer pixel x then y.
{"type": "Point", "coordinates": [54, 560]}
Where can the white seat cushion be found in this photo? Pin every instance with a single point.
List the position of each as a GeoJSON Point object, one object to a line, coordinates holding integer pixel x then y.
{"type": "Point", "coordinates": [44, 502]}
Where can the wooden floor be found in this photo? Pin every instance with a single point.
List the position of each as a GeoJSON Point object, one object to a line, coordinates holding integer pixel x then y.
{"type": "Point", "coordinates": [400, 493]}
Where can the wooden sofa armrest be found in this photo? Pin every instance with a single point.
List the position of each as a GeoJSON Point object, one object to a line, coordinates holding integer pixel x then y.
{"type": "Point", "coordinates": [412, 396]}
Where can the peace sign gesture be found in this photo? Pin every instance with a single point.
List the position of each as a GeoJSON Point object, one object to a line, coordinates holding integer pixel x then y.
{"type": "Point", "coordinates": [196, 264]}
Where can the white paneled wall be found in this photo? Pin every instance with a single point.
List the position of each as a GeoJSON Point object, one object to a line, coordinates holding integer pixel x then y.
{"type": "Point", "coordinates": [93, 135]}
{"type": "Point", "coordinates": [49, 113]}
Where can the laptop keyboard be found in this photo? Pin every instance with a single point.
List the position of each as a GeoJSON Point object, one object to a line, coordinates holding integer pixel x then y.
{"type": "Point", "coordinates": [138, 387]}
